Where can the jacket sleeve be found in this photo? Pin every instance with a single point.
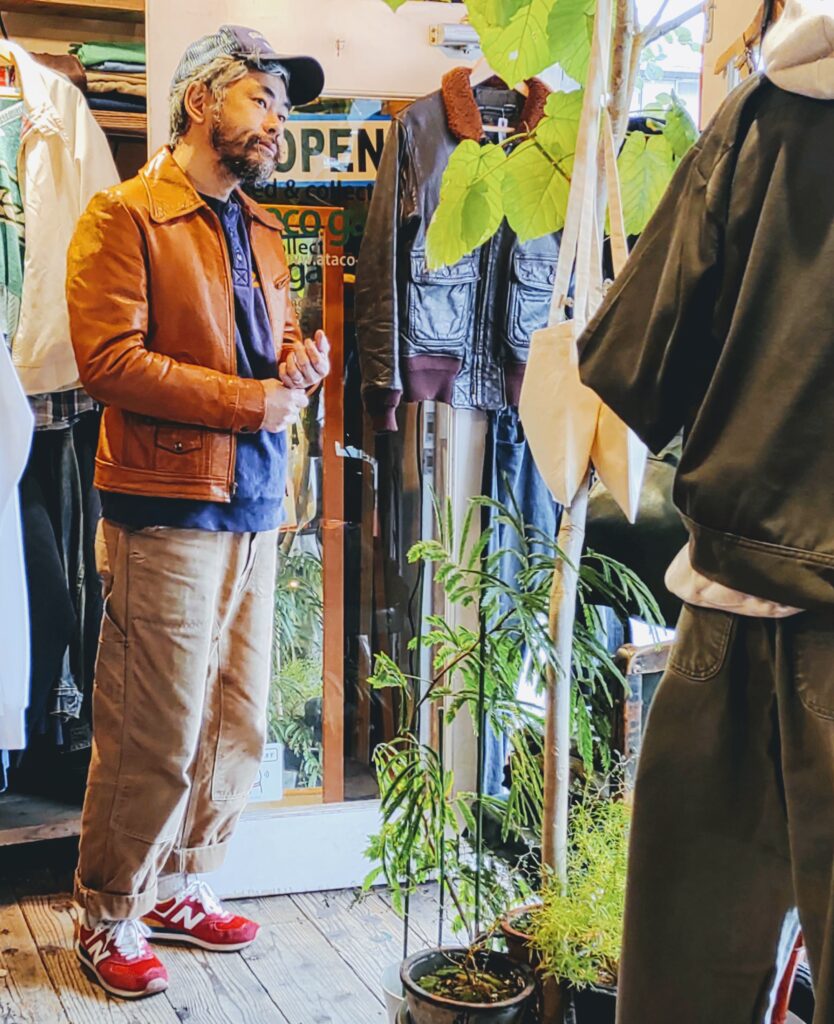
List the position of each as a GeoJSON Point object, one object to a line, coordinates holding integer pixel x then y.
{"type": "Point", "coordinates": [377, 319]}
{"type": "Point", "coordinates": [92, 155]}
{"type": "Point", "coordinates": [649, 352]}
{"type": "Point", "coordinates": [107, 294]}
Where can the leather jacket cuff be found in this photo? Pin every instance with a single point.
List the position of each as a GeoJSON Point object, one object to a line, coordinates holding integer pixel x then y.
{"type": "Point", "coordinates": [381, 404]}
{"type": "Point", "coordinates": [251, 407]}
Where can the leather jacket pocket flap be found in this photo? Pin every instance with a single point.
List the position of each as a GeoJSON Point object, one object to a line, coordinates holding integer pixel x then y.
{"type": "Point", "coordinates": [702, 643]}
{"type": "Point", "coordinates": [534, 272]}
{"type": "Point", "coordinates": [179, 440]}
{"type": "Point", "coordinates": [462, 272]}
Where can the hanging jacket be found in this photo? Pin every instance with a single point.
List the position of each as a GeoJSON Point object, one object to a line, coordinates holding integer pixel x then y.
{"type": "Point", "coordinates": [460, 334]}
{"type": "Point", "coordinates": [723, 323]}
{"type": "Point", "coordinates": [64, 159]}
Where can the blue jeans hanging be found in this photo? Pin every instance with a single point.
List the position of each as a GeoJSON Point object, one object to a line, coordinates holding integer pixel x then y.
{"type": "Point", "coordinates": [510, 475]}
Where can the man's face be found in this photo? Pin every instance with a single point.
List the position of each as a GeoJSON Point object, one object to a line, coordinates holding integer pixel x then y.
{"type": "Point", "coordinates": [248, 126]}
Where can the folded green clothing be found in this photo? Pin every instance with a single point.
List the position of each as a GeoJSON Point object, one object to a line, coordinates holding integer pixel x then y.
{"type": "Point", "coordinates": [96, 53]}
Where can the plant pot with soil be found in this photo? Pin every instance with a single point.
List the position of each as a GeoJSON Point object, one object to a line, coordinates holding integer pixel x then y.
{"type": "Point", "coordinates": [595, 1004]}
{"type": "Point", "coordinates": [457, 985]}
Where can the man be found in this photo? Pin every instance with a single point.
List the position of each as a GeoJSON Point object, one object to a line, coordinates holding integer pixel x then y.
{"type": "Point", "coordinates": [182, 325]}
{"type": "Point", "coordinates": [723, 323]}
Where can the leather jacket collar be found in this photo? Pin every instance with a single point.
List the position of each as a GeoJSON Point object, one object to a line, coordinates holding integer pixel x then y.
{"type": "Point", "coordinates": [172, 195]}
{"type": "Point", "coordinates": [463, 115]}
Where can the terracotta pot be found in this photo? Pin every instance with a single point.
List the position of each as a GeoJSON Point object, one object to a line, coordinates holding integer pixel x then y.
{"type": "Point", "coordinates": [550, 993]}
{"type": "Point", "coordinates": [426, 1008]}
{"type": "Point", "coordinates": [519, 942]}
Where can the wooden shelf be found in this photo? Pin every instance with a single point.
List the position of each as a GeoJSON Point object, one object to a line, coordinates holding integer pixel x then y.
{"type": "Point", "coordinates": [109, 10]}
{"type": "Point", "coordinates": [122, 124]}
{"type": "Point", "coordinates": [30, 819]}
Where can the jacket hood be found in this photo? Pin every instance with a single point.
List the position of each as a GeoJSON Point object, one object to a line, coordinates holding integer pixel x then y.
{"type": "Point", "coordinates": [798, 52]}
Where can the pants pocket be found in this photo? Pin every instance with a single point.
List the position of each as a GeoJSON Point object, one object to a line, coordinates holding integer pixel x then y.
{"type": "Point", "coordinates": [703, 639]}
{"type": "Point", "coordinates": [813, 645]}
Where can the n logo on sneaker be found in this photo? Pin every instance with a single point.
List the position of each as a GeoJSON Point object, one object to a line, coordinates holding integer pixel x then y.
{"type": "Point", "coordinates": [97, 951]}
{"type": "Point", "coordinates": [188, 917]}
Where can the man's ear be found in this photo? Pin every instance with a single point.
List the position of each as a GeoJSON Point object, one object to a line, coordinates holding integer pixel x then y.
{"type": "Point", "coordinates": [196, 101]}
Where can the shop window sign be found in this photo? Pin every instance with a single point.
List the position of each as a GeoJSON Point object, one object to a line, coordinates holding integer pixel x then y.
{"type": "Point", "coordinates": [330, 149]}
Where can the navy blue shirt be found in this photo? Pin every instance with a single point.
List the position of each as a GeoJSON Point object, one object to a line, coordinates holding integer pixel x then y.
{"type": "Point", "coordinates": [261, 465]}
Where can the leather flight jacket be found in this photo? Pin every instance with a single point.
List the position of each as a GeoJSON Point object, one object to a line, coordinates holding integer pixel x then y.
{"type": "Point", "coordinates": [460, 334]}
{"type": "Point", "coordinates": [152, 319]}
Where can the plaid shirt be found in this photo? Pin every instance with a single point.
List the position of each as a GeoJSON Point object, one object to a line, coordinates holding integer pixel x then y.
{"type": "Point", "coordinates": [60, 409]}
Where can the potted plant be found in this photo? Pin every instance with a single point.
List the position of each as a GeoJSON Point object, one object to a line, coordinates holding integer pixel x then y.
{"type": "Point", "coordinates": [466, 986]}
{"type": "Point", "coordinates": [574, 935]}
{"type": "Point", "coordinates": [431, 831]}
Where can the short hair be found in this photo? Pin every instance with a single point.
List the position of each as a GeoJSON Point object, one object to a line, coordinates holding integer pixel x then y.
{"type": "Point", "coordinates": [217, 76]}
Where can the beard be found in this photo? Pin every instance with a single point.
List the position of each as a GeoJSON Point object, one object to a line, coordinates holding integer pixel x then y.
{"type": "Point", "coordinates": [240, 154]}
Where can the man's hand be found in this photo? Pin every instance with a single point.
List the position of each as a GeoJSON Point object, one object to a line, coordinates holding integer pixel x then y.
{"type": "Point", "coordinates": [308, 363]}
{"type": "Point", "coordinates": [283, 405]}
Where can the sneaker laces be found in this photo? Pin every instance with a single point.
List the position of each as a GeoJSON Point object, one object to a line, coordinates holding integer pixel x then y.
{"type": "Point", "coordinates": [200, 891]}
{"type": "Point", "coordinates": [129, 937]}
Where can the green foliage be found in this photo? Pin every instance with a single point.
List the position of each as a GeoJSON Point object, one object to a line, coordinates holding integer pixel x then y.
{"type": "Point", "coordinates": [297, 660]}
{"type": "Point", "coordinates": [299, 607]}
{"type": "Point", "coordinates": [471, 197]}
{"type": "Point", "coordinates": [395, 5]}
{"type": "Point", "coordinates": [571, 26]}
{"type": "Point", "coordinates": [679, 129]}
{"type": "Point", "coordinates": [578, 930]}
{"type": "Point", "coordinates": [538, 173]}
{"type": "Point", "coordinates": [521, 46]}
{"type": "Point", "coordinates": [531, 185]}
{"type": "Point", "coordinates": [647, 162]}
{"type": "Point", "coordinates": [646, 167]}
{"type": "Point", "coordinates": [424, 822]}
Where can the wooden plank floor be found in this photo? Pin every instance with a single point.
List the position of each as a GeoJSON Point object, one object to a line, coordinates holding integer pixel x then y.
{"type": "Point", "coordinates": [317, 960]}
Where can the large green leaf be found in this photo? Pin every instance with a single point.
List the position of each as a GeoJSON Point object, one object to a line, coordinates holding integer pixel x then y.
{"type": "Point", "coordinates": [570, 26]}
{"type": "Point", "coordinates": [395, 5]}
{"type": "Point", "coordinates": [471, 205]}
{"type": "Point", "coordinates": [680, 131]}
{"type": "Point", "coordinates": [646, 164]}
{"type": "Point", "coordinates": [537, 176]}
{"type": "Point", "coordinates": [536, 188]}
{"type": "Point", "coordinates": [559, 129]}
{"type": "Point", "coordinates": [521, 47]}
{"type": "Point", "coordinates": [493, 13]}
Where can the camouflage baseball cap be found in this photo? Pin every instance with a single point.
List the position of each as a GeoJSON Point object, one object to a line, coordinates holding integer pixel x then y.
{"type": "Point", "coordinates": [303, 76]}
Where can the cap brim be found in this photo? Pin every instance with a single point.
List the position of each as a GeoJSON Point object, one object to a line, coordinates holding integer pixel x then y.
{"type": "Point", "coordinates": [306, 79]}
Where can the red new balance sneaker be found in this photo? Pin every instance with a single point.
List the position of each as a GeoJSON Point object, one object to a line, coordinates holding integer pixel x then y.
{"type": "Point", "coordinates": [196, 917]}
{"type": "Point", "coordinates": [118, 956]}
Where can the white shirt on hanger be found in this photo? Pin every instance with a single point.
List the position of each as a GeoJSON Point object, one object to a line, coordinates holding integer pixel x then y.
{"type": "Point", "coordinates": [17, 425]}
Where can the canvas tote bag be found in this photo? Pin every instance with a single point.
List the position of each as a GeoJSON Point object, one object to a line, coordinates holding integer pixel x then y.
{"type": "Point", "coordinates": [566, 424]}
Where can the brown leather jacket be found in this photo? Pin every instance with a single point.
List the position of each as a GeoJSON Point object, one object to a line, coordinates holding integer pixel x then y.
{"type": "Point", "coordinates": [152, 321]}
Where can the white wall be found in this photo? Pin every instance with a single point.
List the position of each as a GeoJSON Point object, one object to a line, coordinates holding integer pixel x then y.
{"type": "Point", "coordinates": [365, 48]}
{"type": "Point", "coordinates": [730, 19]}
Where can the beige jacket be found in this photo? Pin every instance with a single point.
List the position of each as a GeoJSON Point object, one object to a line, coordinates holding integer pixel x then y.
{"type": "Point", "coordinates": [64, 160]}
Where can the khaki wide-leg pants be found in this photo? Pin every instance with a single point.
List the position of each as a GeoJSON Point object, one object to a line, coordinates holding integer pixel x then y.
{"type": "Point", "coordinates": [179, 708]}
{"type": "Point", "coordinates": [733, 822]}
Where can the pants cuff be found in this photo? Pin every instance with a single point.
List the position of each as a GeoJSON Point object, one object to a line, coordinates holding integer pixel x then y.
{"type": "Point", "coordinates": [114, 906]}
{"type": "Point", "coordinates": [197, 860]}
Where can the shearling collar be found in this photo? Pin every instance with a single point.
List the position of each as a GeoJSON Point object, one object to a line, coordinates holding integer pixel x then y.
{"type": "Point", "coordinates": [463, 115]}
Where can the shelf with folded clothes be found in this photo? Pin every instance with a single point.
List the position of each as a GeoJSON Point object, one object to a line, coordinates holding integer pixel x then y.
{"type": "Point", "coordinates": [116, 85]}
{"type": "Point", "coordinates": [107, 10]}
